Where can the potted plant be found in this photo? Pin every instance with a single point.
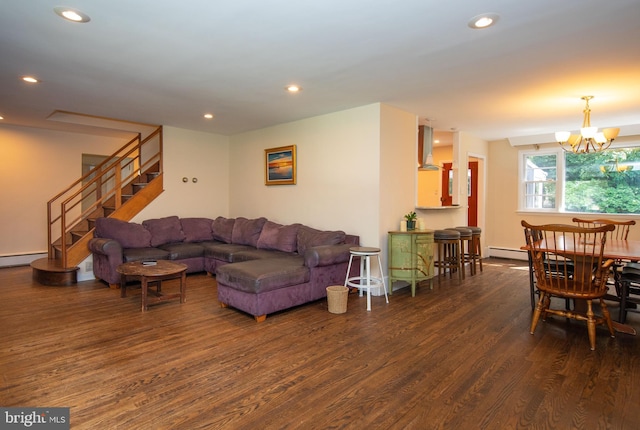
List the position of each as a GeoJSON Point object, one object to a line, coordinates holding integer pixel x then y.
{"type": "Point", "coordinates": [411, 220]}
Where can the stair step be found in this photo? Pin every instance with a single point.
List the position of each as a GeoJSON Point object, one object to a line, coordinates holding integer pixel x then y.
{"type": "Point", "coordinates": [77, 235]}
{"type": "Point", "coordinates": [138, 186]}
{"type": "Point", "coordinates": [126, 197]}
{"type": "Point", "coordinates": [50, 272]}
{"type": "Point", "coordinates": [91, 223]}
{"type": "Point", "coordinates": [152, 175]}
{"type": "Point", "coordinates": [108, 210]}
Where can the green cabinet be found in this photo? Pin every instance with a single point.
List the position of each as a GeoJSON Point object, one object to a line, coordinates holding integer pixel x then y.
{"type": "Point", "coordinates": [410, 257]}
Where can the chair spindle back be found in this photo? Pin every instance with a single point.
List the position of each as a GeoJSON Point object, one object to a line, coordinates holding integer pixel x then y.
{"type": "Point", "coordinates": [621, 231]}
{"type": "Point", "coordinates": [568, 259]}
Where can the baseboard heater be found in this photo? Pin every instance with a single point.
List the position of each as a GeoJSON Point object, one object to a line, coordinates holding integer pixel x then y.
{"type": "Point", "coordinates": [514, 254]}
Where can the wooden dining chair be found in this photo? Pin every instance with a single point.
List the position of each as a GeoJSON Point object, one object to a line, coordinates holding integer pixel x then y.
{"type": "Point", "coordinates": [629, 291]}
{"type": "Point", "coordinates": [621, 230]}
{"type": "Point", "coordinates": [585, 280]}
{"type": "Point", "coordinates": [533, 291]}
{"type": "Point", "coordinates": [565, 268]}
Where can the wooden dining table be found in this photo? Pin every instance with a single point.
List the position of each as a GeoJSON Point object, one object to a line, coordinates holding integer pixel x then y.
{"type": "Point", "coordinates": [614, 249]}
{"type": "Point", "coordinates": [619, 249]}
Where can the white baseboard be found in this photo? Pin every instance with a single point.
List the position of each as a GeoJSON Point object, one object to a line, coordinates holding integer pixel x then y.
{"type": "Point", "coordinates": [20, 260]}
{"type": "Point", "coordinates": [85, 271]}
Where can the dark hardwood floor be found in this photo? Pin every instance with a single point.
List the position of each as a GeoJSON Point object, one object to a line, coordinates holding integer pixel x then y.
{"type": "Point", "coordinates": [455, 357]}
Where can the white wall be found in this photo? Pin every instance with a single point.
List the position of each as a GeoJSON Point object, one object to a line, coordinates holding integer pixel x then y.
{"type": "Point", "coordinates": [398, 171]}
{"type": "Point", "coordinates": [338, 173]}
{"type": "Point", "coordinates": [37, 164]}
{"type": "Point", "coordinates": [192, 154]}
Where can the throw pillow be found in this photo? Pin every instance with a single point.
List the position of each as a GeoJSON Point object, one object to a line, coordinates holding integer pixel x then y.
{"type": "Point", "coordinates": [197, 229]}
{"type": "Point", "coordinates": [247, 231]}
{"type": "Point", "coordinates": [309, 237]}
{"type": "Point", "coordinates": [222, 228]}
{"type": "Point", "coordinates": [164, 230]}
{"type": "Point", "coordinates": [279, 237]}
{"type": "Point", "coordinates": [128, 234]}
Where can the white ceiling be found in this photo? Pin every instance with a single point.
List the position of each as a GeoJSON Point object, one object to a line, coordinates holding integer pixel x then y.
{"type": "Point", "coordinates": [162, 62]}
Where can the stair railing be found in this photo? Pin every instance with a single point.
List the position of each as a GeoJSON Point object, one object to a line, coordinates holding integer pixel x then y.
{"type": "Point", "coordinates": [104, 183]}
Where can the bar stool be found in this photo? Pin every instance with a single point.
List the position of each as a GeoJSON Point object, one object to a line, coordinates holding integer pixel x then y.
{"type": "Point", "coordinates": [365, 281]}
{"type": "Point", "coordinates": [476, 246]}
{"type": "Point", "coordinates": [448, 252]}
{"type": "Point", "coordinates": [466, 237]}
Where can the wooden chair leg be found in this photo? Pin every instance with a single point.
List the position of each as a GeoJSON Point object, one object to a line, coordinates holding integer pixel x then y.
{"type": "Point", "coordinates": [537, 312]}
{"type": "Point", "coordinates": [624, 292]}
{"type": "Point", "coordinates": [607, 317]}
{"type": "Point", "coordinates": [591, 325]}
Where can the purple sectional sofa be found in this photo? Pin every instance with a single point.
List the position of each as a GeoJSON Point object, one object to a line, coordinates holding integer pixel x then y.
{"type": "Point", "coordinates": [260, 266]}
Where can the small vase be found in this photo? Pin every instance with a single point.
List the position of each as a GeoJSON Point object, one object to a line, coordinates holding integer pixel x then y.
{"type": "Point", "coordinates": [411, 225]}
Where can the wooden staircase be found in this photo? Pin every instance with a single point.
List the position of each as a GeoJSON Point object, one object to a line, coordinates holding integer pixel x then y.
{"type": "Point", "coordinates": [119, 187]}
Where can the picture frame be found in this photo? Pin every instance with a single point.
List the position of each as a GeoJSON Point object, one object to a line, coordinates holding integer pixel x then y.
{"type": "Point", "coordinates": [280, 165]}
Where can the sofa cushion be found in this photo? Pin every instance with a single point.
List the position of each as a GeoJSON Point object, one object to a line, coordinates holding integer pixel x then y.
{"type": "Point", "coordinates": [259, 276]}
{"type": "Point", "coordinates": [164, 230]}
{"type": "Point", "coordinates": [309, 237]}
{"type": "Point", "coordinates": [144, 254]}
{"type": "Point", "coordinates": [278, 237]}
{"type": "Point", "coordinates": [197, 229]}
{"type": "Point", "coordinates": [128, 234]}
{"type": "Point", "coordinates": [327, 255]}
{"type": "Point", "coordinates": [222, 229]}
{"type": "Point", "coordinates": [223, 251]}
{"type": "Point", "coordinates": [247, 231]}
{"type": "Point", "coordinates": [183, 250]}
{"type": "Point", "coordinates": [258, 254]}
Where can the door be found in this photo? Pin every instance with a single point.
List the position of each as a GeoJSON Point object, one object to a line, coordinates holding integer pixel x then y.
{"type": "Point", "coordinates": [472, 192]}
{"type": "Point", "coordinates": [447, 185]}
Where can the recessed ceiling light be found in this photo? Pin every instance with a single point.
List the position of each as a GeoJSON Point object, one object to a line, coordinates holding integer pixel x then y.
{"type": "Point", "coordinates": [483, 21]}
{"type": "Point", "coordinates": [30, 79]}
{"type": "Point", "coordinates": [208, 115]}
{"type": "Point", "coordinates": [71, 14]}
{"type": "Point", "coordinates": [293, 88]}
{"type": "Point", "coordinates": [1, 117]}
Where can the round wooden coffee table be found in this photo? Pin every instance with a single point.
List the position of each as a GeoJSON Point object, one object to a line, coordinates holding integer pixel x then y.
{"type": "Point", "coordinates": [148, 273]}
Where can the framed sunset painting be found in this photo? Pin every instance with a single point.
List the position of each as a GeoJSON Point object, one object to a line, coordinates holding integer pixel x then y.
{"type": "Point", "coordinates": [280, 165]}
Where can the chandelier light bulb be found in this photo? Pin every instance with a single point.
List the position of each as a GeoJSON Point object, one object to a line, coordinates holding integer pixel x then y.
{"type": "Point", "coordinates": [562, 136]}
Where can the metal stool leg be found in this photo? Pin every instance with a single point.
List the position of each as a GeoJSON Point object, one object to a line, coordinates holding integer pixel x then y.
{"type": "Point", "coordinates": [384, 287]}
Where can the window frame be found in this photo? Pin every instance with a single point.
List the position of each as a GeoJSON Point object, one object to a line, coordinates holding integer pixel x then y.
{"type": "Point", "coordinates": [560, 177]}
{"type": "Point", "coordinates": [522, 171]}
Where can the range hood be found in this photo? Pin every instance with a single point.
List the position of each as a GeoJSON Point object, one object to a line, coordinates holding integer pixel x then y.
{"type": "Point", "coordinates": [427, 146]}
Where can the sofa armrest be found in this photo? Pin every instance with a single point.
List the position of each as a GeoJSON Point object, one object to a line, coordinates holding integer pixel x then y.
{"type": "Point", "coordinates": [326, 255]}
{"type": "Point", "coordinates": [107, 256]}
{"type": "Point", "coordinates": [107, 247]}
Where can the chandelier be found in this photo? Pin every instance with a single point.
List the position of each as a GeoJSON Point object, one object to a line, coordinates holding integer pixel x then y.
{"type": "Point", "coordinates": [589, 139]}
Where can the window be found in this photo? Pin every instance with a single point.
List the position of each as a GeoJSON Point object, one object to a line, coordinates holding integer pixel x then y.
{"type": "Point", "coordinates": [540, 181]}
{"type": "Point", "coordinates": [607, 182]}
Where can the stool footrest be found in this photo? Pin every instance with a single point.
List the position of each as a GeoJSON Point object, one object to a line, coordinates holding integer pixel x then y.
{"type": "Point", "coordinates": [361, 282]}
